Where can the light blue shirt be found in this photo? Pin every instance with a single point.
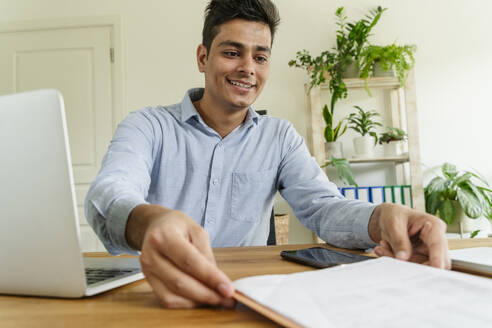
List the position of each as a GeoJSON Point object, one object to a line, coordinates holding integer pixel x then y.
{"type": "Point", "coordinates": [169, 156]}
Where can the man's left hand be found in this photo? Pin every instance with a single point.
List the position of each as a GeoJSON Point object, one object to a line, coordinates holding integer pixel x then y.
{"type": "Point", "coordinates": [409, 235]}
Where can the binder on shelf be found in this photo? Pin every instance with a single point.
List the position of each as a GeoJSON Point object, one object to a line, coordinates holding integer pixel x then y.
{"type": "Point", "coordinates": [349, 192]}
{"type": "Point", "coordinates": [377, 193]}
{"type": "Point", "coordinates": [398, 194]}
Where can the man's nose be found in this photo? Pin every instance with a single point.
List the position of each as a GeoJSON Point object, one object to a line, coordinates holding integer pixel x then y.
{"type": "Point", "coordinates": [247, 65]}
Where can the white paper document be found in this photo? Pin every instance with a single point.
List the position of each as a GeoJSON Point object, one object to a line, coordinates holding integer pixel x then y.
{"type": "Point", "coordinates": [383, 292]}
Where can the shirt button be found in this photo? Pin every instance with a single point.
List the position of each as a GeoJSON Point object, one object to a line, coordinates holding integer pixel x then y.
{"type": "Point", "coordinates": [210, 220]}
{"type": "Point", "coordinates": [215, 182]}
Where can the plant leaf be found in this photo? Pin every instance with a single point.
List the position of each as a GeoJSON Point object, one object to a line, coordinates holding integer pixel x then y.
{"type": "Point", "coordinates": [328, 134]}
{"type": "Point", "coordinates": [487, 195]}
{"type": "Point", "coordinates": [474, 233]}
{"type": "Point", "coordinates": [480, 178]}
{"type": "Point", "coordinates": [345, 174]}
{"type": "Point", "coordinates": [327, 115]}
{"type": "Point", "coordinates": [449, 170]}
{"type": "Point", "coordinates": [488, 212]}
{"type": "Point", "coordinates": [469, 202]}
{"type": "Point", "coordinates": [335, 131]}
{"type": "Point", "coordinates": [462, 178]}
{"type": "Point", "coordinates": [485, 189]}
{"type": "Point", "coordinates": [447, 212]}
{"type": "Point", "coordinates": [478, 194]}
{"type": "Point", "coordinates": [432, 202]}
{"type": "Point", "coordinates": [438, 184]}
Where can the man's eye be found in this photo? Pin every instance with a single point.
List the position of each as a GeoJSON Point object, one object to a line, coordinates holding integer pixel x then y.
{"type": "Point", "coordinates": [231, 53]}
{"type": "Point", "coordinates": [261, 59]}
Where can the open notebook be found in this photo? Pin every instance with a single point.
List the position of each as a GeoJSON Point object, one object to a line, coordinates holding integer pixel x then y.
{"type": "Point", "coordinates": [380, 293]}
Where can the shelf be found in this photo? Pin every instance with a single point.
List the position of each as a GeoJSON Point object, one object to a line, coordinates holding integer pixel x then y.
{"type": "Point", "coordinates": [397, 159]}
{"type": "Point", "coordinates": [373, 83]}
{"type": "Point", "coordinates": [402, 114]}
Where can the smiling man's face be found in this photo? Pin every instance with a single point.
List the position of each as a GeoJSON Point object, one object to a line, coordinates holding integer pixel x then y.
{"type": "Point", "coordinates": [237, 65]}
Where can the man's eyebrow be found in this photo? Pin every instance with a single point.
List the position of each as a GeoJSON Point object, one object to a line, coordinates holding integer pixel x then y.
{"type": "Point", "coordinates": [239, 45]}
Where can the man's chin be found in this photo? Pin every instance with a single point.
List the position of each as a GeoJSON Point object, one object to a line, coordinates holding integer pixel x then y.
{"type": "Point", "coordinates": [241, 104]}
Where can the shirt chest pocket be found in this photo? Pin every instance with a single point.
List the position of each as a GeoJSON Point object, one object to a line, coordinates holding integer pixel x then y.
{"type": "Point", "coordinates": [250, 192]}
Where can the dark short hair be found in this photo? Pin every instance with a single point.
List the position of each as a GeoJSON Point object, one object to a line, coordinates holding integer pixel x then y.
{"type": "Point", "coordinates": [221, 11]}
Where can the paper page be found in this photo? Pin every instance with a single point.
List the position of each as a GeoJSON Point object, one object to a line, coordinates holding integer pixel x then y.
{"type": "Point", "coordinates": [377, 293]}
{"type": "Point", "coordinates": [479, 255]}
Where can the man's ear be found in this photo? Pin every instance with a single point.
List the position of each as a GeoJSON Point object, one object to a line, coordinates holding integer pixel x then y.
{"type": "Point", "coordinates": [201, 57]}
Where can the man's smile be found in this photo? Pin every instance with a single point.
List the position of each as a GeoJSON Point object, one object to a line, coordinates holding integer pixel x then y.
{"type": "Point", "coordinates": [241, 84]}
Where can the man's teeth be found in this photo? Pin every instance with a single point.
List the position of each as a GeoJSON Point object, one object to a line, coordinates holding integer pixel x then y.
{"type": "Point", "coordinates": [239, 84]}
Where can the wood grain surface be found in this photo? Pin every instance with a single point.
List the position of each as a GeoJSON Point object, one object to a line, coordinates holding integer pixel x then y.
{"type": "Point", "coordinates": [135, 305]}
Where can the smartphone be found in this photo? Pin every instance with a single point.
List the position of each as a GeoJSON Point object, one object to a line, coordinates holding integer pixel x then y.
{"type": "Point", "coordinates": [320, 257]}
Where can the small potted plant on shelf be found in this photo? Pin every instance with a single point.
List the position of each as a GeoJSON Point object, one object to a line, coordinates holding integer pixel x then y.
{"type": "Point", "coordinates": [332, 132]}
{"type": "Point", "coordinates": [461, 199]}
{"type": "Point", "coordinates": [379, 61]}
{"type": "Point", "coordinates": [363, 122]}
{"type": "Point", "coordinates": [392, 141]}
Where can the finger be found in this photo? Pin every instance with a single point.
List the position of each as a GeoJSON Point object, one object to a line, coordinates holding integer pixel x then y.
{"type": "Point", "coordinates": [200, 238]}
{"type": "Point", "coordinates": [179, 282]}
{"type": "Point", "coordinates": [396, 233]}
{"type": "Point", "coordinates": [188, 259]}
{"type": "Point", "coordinates": [229, 303]}
{"type": "Point", "coordinates": [384, 249]}
{"type": "Point", "coordinates": [381, 251]}
{"type": "Point", "coordinates": [432, 235]}
{"type": "Point", "coordinates": [386, 245]}
{"type": "Point", "coordinates": [421, 249]}
{"type": "Point", "coordinates": [168, 299]}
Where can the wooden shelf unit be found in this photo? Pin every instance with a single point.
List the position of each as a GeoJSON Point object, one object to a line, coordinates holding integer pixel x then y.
{"type": "Point", "coordinates": [403, 115]}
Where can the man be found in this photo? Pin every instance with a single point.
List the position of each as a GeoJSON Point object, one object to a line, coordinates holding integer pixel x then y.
{"type": "Point", "coordinates": [180, 179]}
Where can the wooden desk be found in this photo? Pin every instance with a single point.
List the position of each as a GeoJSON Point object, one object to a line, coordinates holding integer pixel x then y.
{"type": "Point", "coordinates": [134, 305]}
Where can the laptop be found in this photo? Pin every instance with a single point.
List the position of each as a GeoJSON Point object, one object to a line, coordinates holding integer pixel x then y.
{"type": "Point", "coordinates": [40, 252]}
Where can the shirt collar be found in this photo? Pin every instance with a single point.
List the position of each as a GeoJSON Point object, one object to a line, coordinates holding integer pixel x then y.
{"type": "Point", "coordinates": [188, 110]}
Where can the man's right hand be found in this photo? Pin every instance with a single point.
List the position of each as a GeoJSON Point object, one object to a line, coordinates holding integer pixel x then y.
{"type": "Point", "coordinates": [177, 259]}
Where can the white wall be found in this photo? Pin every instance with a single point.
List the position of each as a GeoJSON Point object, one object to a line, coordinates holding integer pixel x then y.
{"type": "Point", "coordinates": [453, 72]}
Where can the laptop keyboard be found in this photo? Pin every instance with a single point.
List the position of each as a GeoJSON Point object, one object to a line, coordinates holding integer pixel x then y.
{"type": "Point", "coordinates": [97, 275]}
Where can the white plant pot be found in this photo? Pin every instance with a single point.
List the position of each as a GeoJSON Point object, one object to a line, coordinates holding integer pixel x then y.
{"type": "Point", "coordinates": [463, 224]}
{"type": "Point", "coordinates": [392, 148]}
{"type": "Point", "coordinates": [334, 149]}
{"type": "Point", "coordinates": [364, 146]}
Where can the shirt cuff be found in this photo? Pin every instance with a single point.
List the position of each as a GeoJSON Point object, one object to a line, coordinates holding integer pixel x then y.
{"type": "Point", "coordinates": [361, 225]}
{"type": "Point", "coordinates": [117, 216]}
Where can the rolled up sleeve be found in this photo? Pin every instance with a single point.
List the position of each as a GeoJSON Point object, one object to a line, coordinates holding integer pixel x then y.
{"type": "Point", "coordinates": [123, 181]}
{"type": "Point", "coordinates": [317, 202]}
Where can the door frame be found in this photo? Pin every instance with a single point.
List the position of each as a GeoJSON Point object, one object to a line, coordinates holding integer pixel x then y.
{"type": "Point", "coordinates": [118, 72]}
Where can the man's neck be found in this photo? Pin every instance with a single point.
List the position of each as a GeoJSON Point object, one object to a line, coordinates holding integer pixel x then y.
{"type": "Point", "coordinates": [222, 120]}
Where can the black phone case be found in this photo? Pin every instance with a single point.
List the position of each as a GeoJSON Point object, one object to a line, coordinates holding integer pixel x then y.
{"type": "Point", "coordinates": [301, 260]}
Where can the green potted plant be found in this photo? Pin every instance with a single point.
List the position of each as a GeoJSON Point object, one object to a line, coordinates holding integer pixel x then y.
{"type": "Point", "coordinates": [350, 40]}
{"type": "Point", "coordinates": [463, 198]}
{"type": "Point", "coordinates": [364, 123]}
{"type": "Point", "coordinates": [392, 141]}
{"type": "Point", "coordinates": [332, 132]}
{"type": "Point", "coordinates": [380, 61]}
